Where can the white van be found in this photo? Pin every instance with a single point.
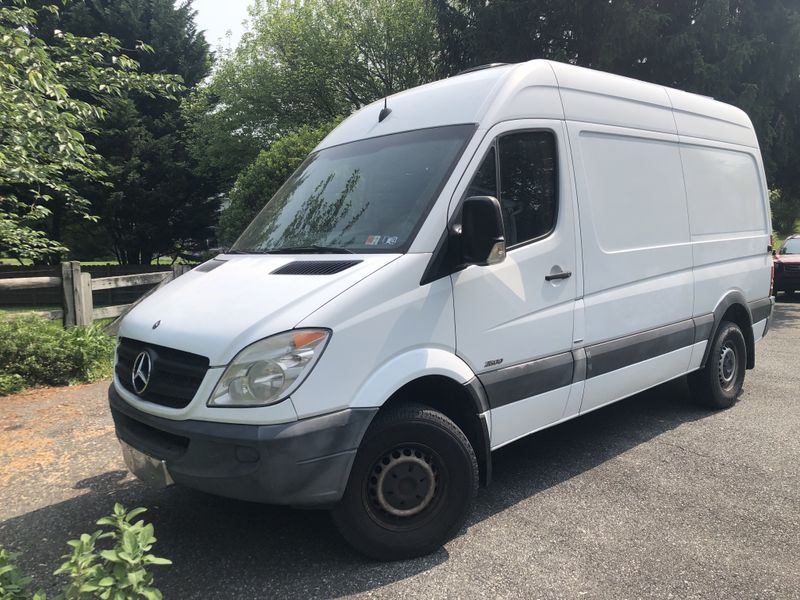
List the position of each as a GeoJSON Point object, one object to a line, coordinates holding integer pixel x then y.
{"type": "Point", "coordinates": [465, 264]}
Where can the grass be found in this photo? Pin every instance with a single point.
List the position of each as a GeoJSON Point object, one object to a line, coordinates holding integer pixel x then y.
{"type": "Point", "coordinates": [13, 312]}
{"type": "Point", "coordinates": [17, 311]}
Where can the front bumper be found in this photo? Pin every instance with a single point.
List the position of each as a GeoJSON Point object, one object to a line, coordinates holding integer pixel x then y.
{"type": "Point", "coordinates": [303, 463]}
{"type": "Point", "coordinates": [784, 281]}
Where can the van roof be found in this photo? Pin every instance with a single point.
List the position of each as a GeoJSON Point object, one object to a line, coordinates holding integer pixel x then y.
{"type": "Point", "coordinates": [546, 89]}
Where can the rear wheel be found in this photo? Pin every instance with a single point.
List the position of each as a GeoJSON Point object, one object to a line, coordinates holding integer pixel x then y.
{"type": "Point", "coordinates": [411, 487]}
{"type": "Point", "coordinates": [719, 383]}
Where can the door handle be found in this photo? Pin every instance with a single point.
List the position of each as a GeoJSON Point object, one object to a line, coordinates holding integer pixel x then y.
{"type": "Point", "coordinates": [561, 275]}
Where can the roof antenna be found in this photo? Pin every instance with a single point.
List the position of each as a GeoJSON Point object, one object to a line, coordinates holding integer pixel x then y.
{"type": "Point", "coordinates": [385, 111]}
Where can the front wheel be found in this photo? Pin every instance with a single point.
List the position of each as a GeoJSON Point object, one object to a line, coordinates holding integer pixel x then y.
{"type": "Point", "coordinates": [719, 383]}
{"type": "Point", "coordinates": [411, 487]}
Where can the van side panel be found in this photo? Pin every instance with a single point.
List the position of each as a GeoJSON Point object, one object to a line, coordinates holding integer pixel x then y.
{"type": "Point", "coordinates": [729, 221]}
{"type": "Point", "coordinates": [637, 255]}
{"type": "Point", "coordinates": [634, 230]}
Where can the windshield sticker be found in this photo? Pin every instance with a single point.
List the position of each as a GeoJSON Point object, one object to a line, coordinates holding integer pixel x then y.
{"type": "Point", "coordinates": [390, 240]}
{"type": "Point", "coordinates": [373, 240]}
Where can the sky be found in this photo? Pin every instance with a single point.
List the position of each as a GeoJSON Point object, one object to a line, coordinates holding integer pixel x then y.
{"type": "Point", "coordinates": [217, 17]}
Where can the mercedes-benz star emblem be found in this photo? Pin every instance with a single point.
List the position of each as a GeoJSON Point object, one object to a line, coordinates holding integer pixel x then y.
{"type": "Point", "coordinates": [140, 375]}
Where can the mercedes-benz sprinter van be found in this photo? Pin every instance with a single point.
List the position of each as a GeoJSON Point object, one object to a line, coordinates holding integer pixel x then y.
{"type": "Point", "coordinates": [450, 270]}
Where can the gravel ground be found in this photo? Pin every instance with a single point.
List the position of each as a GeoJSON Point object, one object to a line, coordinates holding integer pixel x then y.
{"type": "Point", "coordinates": [648, 498]}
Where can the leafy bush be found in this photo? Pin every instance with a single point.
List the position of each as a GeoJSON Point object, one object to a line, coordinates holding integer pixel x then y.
{"type": "Point", "coordinates": [38, 352]}
{"type": "Point", "coordinates": [115, 573]}
{"type": "Point", "coordinates": [11, 384]}
{"type": "Point", "coordinates": [13, 586]}
{"type": "Point", "coordinates": [785, 211]}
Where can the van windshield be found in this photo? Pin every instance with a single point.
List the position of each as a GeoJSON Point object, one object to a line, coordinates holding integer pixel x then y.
{"type": "Point", "coordinates": [365, 196]}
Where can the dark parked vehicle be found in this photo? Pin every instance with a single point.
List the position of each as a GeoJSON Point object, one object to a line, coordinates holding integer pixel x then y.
{"type": "Point", "coordinates": [787, 266]}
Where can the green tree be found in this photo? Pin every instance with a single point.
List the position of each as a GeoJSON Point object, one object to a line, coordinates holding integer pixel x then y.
{"type": "Point", "coordinates": [305, 62]}
{"type": "Point", "coordinates": [785, 212]}
{"type": "Point", "coordinates": [161, 203]}
{"type": "Point", "coordinates": [52, 95]}
{"type": "Point", "coordinates": [259, 181]}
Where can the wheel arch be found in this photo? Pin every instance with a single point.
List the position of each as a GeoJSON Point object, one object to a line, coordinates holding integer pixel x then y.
{"type": "Point", "coordinates": [463, 403]}
{"type": "Point", "coordinates": [733, 307]}
{"type": "Point", "coordinates": [441, 380]}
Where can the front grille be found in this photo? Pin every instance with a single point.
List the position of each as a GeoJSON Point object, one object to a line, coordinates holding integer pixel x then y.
{"type": "Point", "coordinates": [792, 268]}
{"type": "Point", "coordinates": [174, 376]}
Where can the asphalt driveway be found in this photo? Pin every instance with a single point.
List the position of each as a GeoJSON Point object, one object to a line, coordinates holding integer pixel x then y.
{"type": "Point", "coordinates": [649, 498]}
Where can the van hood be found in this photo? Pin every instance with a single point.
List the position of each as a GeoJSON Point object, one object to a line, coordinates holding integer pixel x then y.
{"type": "Point", "coordinates": [225, 304]}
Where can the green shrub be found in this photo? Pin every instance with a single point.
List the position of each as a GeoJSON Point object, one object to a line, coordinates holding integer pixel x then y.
{"type": "Point", "coordinates": [11, 384]}
{"type": "Point", "coordinates": [785, 211]}
{"type": "Point", "coordinates": [38, 352]}
{"type": "Point", "coordinates": [118, 572]}
{"type": "Point", "coordinates": [13, 586]}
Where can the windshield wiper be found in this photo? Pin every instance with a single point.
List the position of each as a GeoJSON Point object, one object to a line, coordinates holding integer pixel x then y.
{"type": "Point", "coordinates": [312, 249]}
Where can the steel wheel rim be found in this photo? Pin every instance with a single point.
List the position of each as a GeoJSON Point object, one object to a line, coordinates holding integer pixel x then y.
{"type": "Point", "coordinates": [728, 366]}
{"type": "Point", "coordinates": [391, 496]}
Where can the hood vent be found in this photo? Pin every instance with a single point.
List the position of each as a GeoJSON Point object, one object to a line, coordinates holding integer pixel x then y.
{"type": "Point", "coordinates": [209, 265]}
{"type": "Point", "coordinates": [315, 267]}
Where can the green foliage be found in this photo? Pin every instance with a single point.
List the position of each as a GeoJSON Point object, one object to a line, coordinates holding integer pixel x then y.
{"type": "Point", "coordinates": [11, 383]}
{"type": "Point", "coordinates": [13, 586]}
{"type": "Point", "coordinates": [38, 352]}
{"type": "Point", "coordinates": [118, 572]}
{"type": "Point", "coordinates": [259, 181]}
{"type": "Point", "coordinates": [785, 211]}
{"type": "Point", "coordinates": [160, 203]}
{"type": "Point", "coordinates": [52, 95]}
{"type": "Point", "coordinates": [305, 62]}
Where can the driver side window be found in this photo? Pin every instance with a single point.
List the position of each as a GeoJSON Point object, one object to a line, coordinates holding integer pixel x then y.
{"type": "Point", "coordinates": [527, 177]}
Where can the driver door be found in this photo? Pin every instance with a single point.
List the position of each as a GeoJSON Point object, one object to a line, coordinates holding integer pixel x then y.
{"type": "Point", "coordinates": [514, 320]}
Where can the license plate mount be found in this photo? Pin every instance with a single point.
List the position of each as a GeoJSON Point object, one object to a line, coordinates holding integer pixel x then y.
{"type": "Point", "coordinates": [152, 471]}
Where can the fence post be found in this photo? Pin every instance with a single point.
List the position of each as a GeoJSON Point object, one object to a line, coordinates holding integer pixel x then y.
{"type": "Point", "coordinates": [84, 303]}
{"type": "Point", "coordinates": [68, 270]}
{"type": "Point", "coordinates": [178, 270]}
{"type": "Point", "coordinates": [77, 289]}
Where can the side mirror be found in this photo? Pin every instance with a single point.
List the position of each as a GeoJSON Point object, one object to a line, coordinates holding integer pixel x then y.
{"type": "Point", "coordinates": [482, 235]}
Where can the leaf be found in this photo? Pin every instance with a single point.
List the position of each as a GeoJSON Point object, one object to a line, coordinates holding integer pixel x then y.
{"type": "Point", "coordinates": [135, 513]}
{"type": "Point", "coordinates": [151, 594]}
{"type": "Point", "coordinates": [110, 555]}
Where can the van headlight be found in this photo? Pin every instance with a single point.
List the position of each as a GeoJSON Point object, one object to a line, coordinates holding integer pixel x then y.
{"type": "Point", "coordinates": [269, 370]}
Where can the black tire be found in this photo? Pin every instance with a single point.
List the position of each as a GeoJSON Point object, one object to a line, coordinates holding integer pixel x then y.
{"type": "Point", "coordinates": [411, 487]}
{"type": "Point", "coordinates": [719, 383]}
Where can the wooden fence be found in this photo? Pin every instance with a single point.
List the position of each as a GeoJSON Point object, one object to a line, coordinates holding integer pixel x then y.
{"type": "Point", "coordinates": [77, 287]}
